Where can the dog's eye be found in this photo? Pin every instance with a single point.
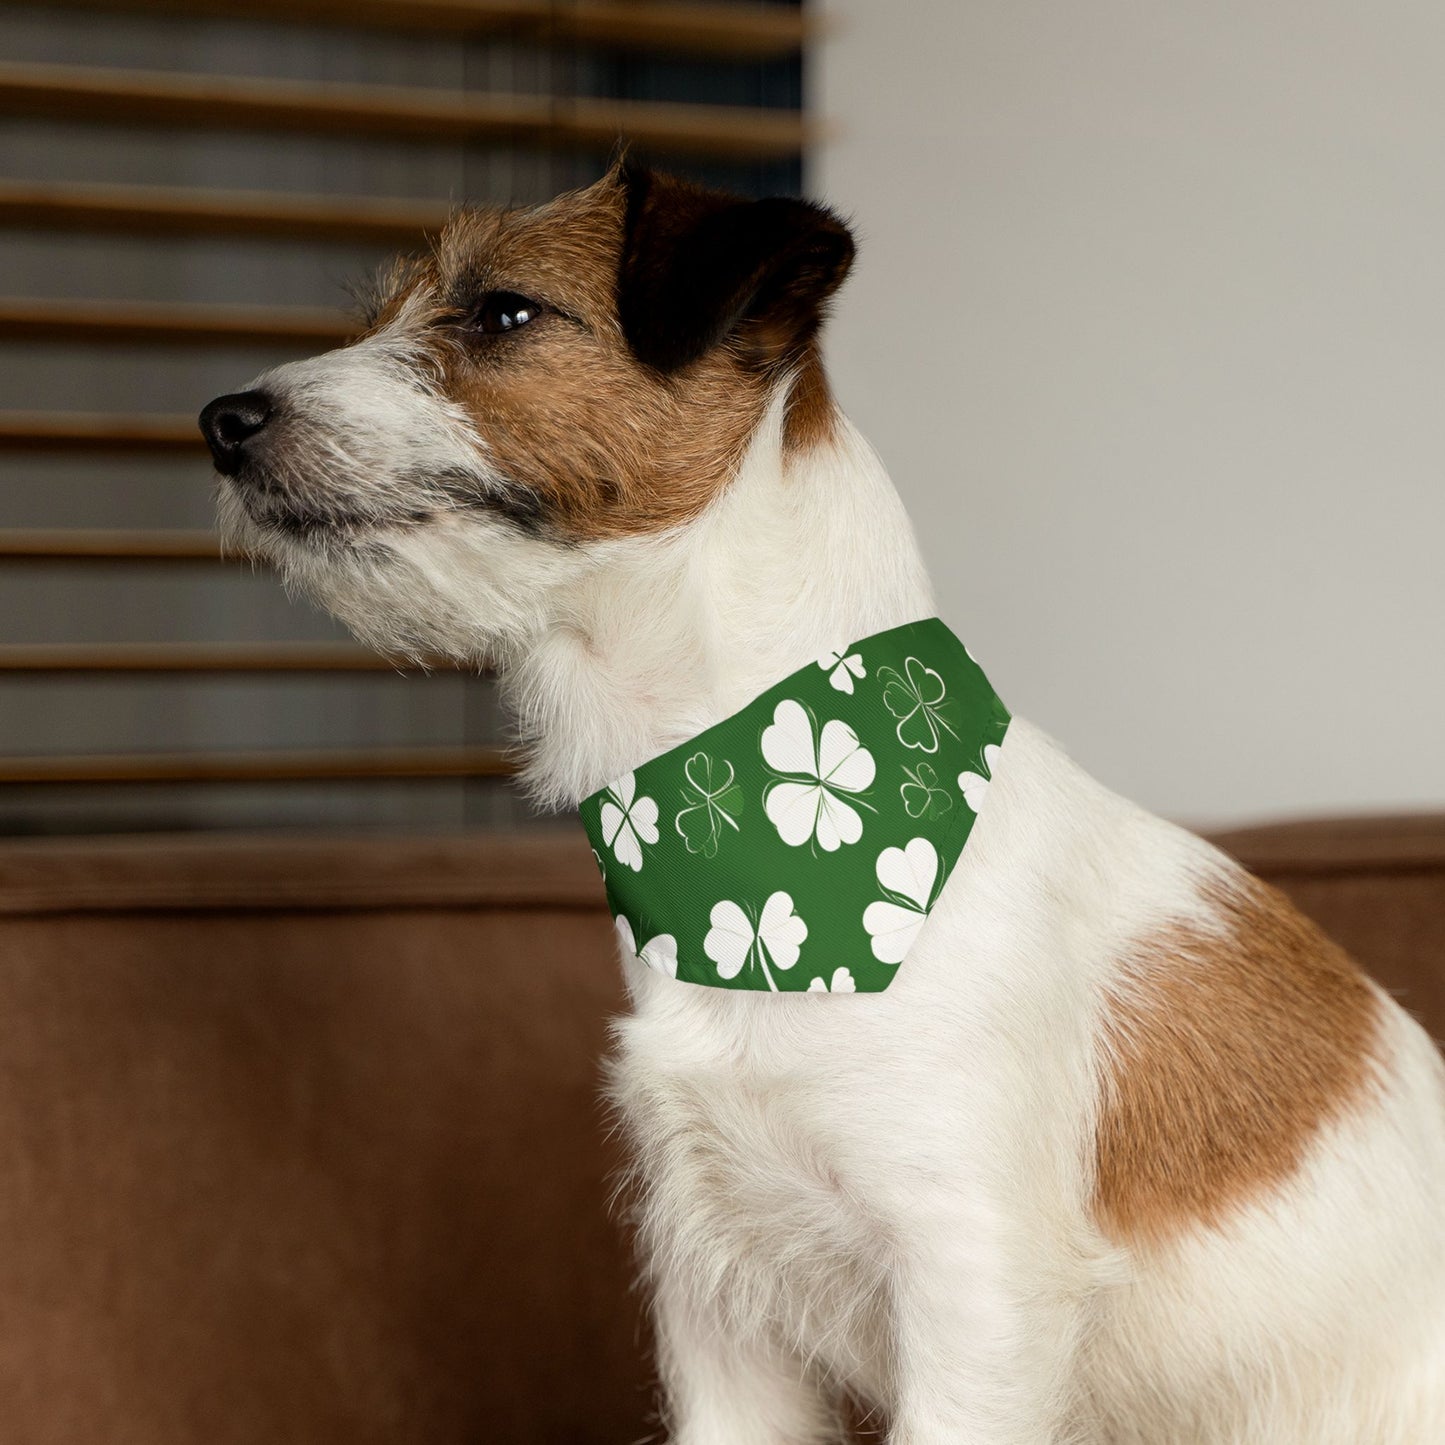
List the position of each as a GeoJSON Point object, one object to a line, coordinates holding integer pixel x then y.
{"type": "Point", "coordinates": [504, 311]}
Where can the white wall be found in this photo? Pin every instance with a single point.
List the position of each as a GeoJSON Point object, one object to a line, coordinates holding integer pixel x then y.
{"type": "Point", "coordinates": [1149, 324]}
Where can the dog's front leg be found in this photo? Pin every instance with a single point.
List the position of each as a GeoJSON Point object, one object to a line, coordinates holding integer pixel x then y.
{"type": "Point", "coordinates": [984, 1339]}
{"type": "Point", "coordinates": [721, 1387]}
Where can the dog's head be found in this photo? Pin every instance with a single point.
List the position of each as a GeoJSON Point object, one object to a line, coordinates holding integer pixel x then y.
{"type": "Point", "coordinates": [544, 383]}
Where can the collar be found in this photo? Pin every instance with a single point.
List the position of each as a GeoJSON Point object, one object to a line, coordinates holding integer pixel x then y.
{"type": "Point", "coordinates": [800, 844]}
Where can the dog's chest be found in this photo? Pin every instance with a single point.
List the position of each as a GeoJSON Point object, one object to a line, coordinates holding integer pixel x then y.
{"type": "Point", "coordinates": [749, 1181]}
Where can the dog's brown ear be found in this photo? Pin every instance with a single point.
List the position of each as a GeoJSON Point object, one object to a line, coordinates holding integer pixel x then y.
{"type": "Point", "coordinates": [699, 266]}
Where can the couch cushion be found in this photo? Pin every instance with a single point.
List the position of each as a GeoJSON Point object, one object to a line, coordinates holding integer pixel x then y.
{"type": "Point", "coordinates": [303, 1143]}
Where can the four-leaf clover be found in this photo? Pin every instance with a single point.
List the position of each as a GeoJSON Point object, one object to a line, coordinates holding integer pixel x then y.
{"type": "Point", "coordinates": [660, 953]}
{"type": "Point", "coordinates": [922, 796]}
{"type": "Point", "coordinates": [975, 785]}
{"type": "Point", "coordinates": [737, 938]}
{"type": "Point", "coordinates": [818, 769]}
{"type": "Point", "coordinates": [842, 667]}
{"type": "Point", "coordinates": [628, 822]}
{"type": "Point", "coordinates": [915, 697]}
{"type": "Point", "coordinates": [908, 875]}
{"type": "Point", "coordinates": [713, 800]}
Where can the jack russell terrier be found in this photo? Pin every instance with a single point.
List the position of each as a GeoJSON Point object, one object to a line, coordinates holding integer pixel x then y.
{"type": "Point", "coordinates": [1117, 1148]}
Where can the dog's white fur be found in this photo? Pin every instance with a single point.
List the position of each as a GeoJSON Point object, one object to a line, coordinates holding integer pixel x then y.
{"type": "Point", "coordinates": [890, 1194]}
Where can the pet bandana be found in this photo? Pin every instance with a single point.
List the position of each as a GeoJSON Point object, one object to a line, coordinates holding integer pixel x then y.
{"type": "Point", "coordinates": [799, 844]}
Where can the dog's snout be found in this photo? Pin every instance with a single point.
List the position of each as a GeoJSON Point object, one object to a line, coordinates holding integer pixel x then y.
{"type": "Point", "coordinates": [229, 422]}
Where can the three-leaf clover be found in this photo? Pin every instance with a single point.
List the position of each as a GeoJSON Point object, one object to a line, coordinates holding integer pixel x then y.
{"type": "Point", "coordinates": [922, 796]}
{"type": "Point", "coordinates": [908, 875]}
{"type": "Point", "coordinates": [628, 822]}
{"type": "Point", "coordinates": [817, 770]}
{"type": "Point", "coordinates": [713, 799]}
{"type": "Point", "coordinates": [975, 785]}
{"type": "Point", "coordinates": [737, 937]}
{"type": "Point", "coordinates": [916, 698]}
{"type": "Point", "coordinates": [842, 667]}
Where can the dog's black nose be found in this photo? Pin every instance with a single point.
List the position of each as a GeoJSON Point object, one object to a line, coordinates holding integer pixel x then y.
{"type": "Point", "coordinates": [229, 422]}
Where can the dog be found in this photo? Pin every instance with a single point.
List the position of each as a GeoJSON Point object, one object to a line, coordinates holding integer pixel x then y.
{"type": "Point", "coordinates": [1128, 1152]}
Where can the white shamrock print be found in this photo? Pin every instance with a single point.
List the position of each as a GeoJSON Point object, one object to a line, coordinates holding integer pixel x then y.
{"type": "Point", "coordinates": [713, 799]}
{"type": "Point", "coordinates": [660, 953]}
{"type": "Point", "coordinates": [842, 669]}
{"type": "Point", "coordinates": [908, 876]}
{"type": "Point", "coordinates": [818, 770]}
{"type": "Point", "coordinates": [628, 822]}
{"type": "Point", "coordinates": [975, 785]}
{"type": "Point", "coordinates": [736, 938]}
{"type": "Point", "coordinates": [842, 983]}
{"type": "Point", "coordinates": [917, 698]}
{"type": "Point", "coordinates": [923, 796]}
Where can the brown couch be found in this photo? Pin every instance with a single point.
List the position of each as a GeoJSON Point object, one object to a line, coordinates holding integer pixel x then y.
{"type": "Point", "coordinates": [302, 1140]}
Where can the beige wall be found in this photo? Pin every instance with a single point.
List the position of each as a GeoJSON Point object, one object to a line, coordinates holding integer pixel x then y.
{"type": "Point", "coordinates": [1149, 323]}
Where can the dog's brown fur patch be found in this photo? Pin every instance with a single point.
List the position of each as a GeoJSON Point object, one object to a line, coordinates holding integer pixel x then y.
{"type": "Point", "coordinates": [812, 415]}
{"type": "Point", "coordinates": [1226, 1053]}
{"type": "Point", "coordinates": [606, 445]}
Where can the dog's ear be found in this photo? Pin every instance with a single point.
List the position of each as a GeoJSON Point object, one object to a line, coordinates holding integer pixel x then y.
{"type": "Point", "coordinates": [700, 266]}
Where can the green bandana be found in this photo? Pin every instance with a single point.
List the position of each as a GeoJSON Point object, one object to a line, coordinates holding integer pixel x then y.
{"type": "Point", "coordinates": [800, 844]}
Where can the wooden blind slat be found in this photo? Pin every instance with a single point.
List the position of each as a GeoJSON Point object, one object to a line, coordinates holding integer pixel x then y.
{"type": "Point", "coordinates": [754, 32]}
{"type": "Point", "coordinates": [329, 765]}
{"type": "Point", "coordinates": [226, 103]}
{"type": "Point", "coordinates": [77, 431]}
{"type": "Point", "coordinates": [83, 544]}
{"type": "Point", "coordinates": [762, 32]}
{"type": "Point", "coordinates": [171, 323]}
{"type": "Point", "coordinates": [172, 211]}
{"type": "Point", "coordinates": [185, 657]}
{"type": "Point", "coordinates": [218, 102]}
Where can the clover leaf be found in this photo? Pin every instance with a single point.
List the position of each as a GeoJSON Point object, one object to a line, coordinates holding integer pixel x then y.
{"type": "Point", "coordinates": [921, 794]}
{"type": "Point", "coordinates": [713, 800]}
{"type": "Point", "coordinates": [916, 697]}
